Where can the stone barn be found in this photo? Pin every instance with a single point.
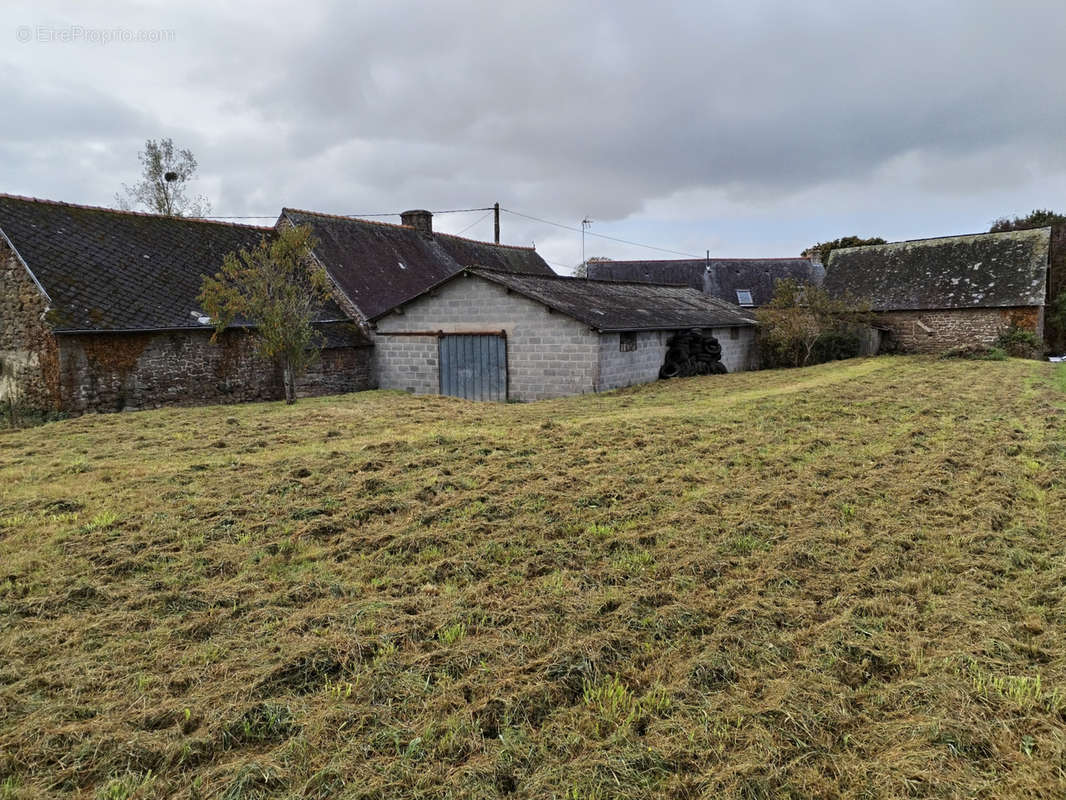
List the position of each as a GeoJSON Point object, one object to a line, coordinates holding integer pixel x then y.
{"type": "Point", "coordinates": [746, 282]}
{"type": "Point", "coordinates": [497, 335]}
{"type": "Point", "coordinates": [934, 294]}
{"type": "Point", "coordinates": [98, 312]}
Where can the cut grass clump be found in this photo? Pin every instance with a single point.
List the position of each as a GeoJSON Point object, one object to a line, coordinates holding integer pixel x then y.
{"type": "Point", "coordinates": [265, 722]}
{"type": "Point", "coordinates": [304, 674]}
{"type": "Point", "coordinates": [976, 352]}
{"type": "Point", "coordinates": [842, 581]}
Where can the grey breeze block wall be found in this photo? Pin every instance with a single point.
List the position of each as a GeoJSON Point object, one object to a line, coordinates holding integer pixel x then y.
{"type": "Point", "coordinates": [548, 354]}
{"type": "Point", "coordinates": [620, 368]}
{"type": "Point", "coordinates": [127, 371]}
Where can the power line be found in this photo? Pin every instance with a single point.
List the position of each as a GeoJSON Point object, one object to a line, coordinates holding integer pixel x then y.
{"type": "Point", "coordinates": [471, 225]}
{"type": "Point", "coordinates": [600, 235]}
{"type": "Point", "coordinates": [560, 264]}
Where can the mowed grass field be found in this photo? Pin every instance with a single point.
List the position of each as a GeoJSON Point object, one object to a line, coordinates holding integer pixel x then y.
{"type": "Point", "coordinates": [846, 581]}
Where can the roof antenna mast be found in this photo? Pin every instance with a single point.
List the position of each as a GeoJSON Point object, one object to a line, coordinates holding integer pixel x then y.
{"type": "Point", "coordinates": [586, 223]}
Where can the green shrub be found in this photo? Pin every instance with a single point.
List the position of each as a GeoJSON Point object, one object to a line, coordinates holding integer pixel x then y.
{"type": "Point", "coordinates": [805, 325]}
{"type": "Point", "coordinates": [1019, 342]}
{"type": "Point", "coordinates": [836, 345]}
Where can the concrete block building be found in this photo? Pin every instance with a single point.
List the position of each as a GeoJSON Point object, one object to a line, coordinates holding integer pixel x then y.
{"type": "Point", "coordinates": [934, 294]}
{"type": "Point", "coordinates": [496, 335]}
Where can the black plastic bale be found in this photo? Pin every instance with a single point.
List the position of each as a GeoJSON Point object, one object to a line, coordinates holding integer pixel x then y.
{"type": "Point", "coordinates": [692, 352]}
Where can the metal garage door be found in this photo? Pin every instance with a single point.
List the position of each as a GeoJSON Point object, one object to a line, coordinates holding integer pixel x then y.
{"type": "Point", "coordinates": [473, 366]}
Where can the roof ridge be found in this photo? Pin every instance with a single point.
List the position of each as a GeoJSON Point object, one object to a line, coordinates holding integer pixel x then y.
{"type": "Point", "coordinates": [106, 210]}
{"type": "Point", "coordinates": [349, 218]}
{"type": "Point", "coordinates": [482, 241]}
{"type": "Point", "coordinates": [346, 218]}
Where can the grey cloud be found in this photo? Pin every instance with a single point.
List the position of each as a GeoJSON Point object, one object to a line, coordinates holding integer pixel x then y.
{"type": "Point", "coordinates": [658, 102]}
{"type": "Point", "coordinates": [562, 109]}
{"type": "Point", "coordinates": [39, 110]}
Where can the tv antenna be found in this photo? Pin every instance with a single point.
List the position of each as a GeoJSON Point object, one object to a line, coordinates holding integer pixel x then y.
{"type": "Point", "coordinates": [586, 223]}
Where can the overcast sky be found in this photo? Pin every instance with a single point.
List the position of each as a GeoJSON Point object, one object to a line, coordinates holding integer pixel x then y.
{"type": "Point", "coordinates": [747, 128]}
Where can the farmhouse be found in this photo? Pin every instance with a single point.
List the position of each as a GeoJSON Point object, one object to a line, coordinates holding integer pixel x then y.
{"type": "Point", "coordinates": [498, 335]}
{"type": "Point", "coordinates": [935, 294]}
{"type": "Point", "coordinates": [98, 311]}
{"type": "Point", "coordinates": [747, 282]}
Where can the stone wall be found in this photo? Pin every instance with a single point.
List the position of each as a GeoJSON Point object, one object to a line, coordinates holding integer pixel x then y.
{"type": "Point", "coordinates": [937, 331]}
{"type": "Point", "coordinates": [127, 371]}
{"type": "Point", "coordinates": [28, 353]}
{"type": "Point", "coordinates": [548, 354]}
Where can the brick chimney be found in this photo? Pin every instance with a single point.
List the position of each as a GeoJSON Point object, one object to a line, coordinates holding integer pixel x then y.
{"type": "Point", "coordinates": [419, 219]}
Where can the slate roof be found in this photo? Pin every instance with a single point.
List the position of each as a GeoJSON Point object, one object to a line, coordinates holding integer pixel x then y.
{"type": "Point", "coordinates": [984, 270]}
{"type": "Point", "coordinates": [108, 270]}
{"type": "Point", "coordinates": [379, 265]}
{"type": "Point", "coordinates": [614, 306]}
{"type": "Point", "coordinates": [720, 277]}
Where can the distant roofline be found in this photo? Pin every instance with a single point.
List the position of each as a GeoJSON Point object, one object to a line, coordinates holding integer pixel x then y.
{"type": "Point", "coordinates": [120, 211]}
{"type": "Point", "coordinates": [941, 238]}
{"type": "Point", "coordinates": [365, 221]}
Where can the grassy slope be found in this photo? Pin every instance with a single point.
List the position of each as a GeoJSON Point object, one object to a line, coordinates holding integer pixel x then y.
{"type": "Point", "coordinates": [844, 581]}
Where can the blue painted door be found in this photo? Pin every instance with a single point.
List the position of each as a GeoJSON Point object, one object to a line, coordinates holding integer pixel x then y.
{"type": "Point", "coordinates": [474, 366]}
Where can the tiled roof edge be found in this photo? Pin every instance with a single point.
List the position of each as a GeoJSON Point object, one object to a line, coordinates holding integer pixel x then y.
{"type": "Point", "coordinates": [204, 328]}
{"type": "Point", "coordinates": [25, 266]}
{"type": "Point", "coordinates": [122, 212]}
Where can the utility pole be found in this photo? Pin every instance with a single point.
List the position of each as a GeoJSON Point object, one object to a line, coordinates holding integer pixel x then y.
{"type": "Point", "coordinates": [496, 213]}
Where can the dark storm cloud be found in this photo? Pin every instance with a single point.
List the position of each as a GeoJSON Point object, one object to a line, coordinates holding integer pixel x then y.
{"type": "Point", "coordinates": [652, 100]}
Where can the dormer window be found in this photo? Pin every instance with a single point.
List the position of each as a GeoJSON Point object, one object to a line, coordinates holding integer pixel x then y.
{"type": "Point", "coordinates": [744, 298]}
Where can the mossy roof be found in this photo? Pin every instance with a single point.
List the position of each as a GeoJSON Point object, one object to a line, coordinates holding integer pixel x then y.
{"type": "Point", "coordinates": [984, 270]}
{"type": "Point", "coordinates": [107, 270]}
